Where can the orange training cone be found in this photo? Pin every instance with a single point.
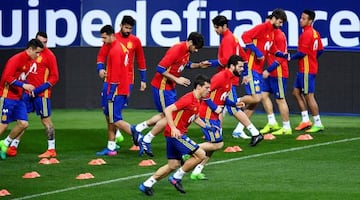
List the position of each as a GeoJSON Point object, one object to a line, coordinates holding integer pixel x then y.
{"type": "Point", "coordinates": [269, 136]}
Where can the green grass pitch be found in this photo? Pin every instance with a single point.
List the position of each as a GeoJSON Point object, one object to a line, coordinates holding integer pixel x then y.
{"type": "Point", "coordinates": [326, 167]}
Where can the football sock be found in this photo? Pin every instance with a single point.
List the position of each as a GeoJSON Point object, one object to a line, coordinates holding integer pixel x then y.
{"type": "Point", "coordinates": [179, 173]}
{"type": "Point", "coordinates": [305, 116]}
{"type": "Point", "coordinates": [111, 145]}
{"type": "Point", "coordinates": [286, 125]}
{"type": "Point", "coordinates": [8, 141]}
{"type": "Point", "coordinates": [271, 119]}
{"type": "Point", "coordinates": [150, 182]}
{"type": "Point", "coordinates": [148, 137]}
{"type": "Point", "coordinates": [253, 130]}
{"type": "Point", "coordinates": [317, 121]}
{"type": "Point", "coordinates": [142, 126]}
{"type": "Point", "coordinates": [198, 169]}
{"type": "Point", "coordinates": [239, 127]}
{"type": "Point", "coordinates": [15, 143]}
{"type": "Point", "coordinates": [117, 133]}
{"type": "Point", "coordinates": [51, 144]}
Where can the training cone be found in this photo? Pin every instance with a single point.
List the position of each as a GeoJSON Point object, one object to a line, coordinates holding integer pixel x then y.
{"type": "Point", "coordinates": [97, 162]}
{"type": "Point", "coordinates": [229, 150]}
{"type": "Point", "coordinates": [101, 161]}
{"type": "Point", "coordinates": [237, 149]}
{"type": "Point", "coordinates": [146, 163]}
{"type": "Point", "coordinates": [134, 148]}
{"type": "Point", "coordinates": [54, 161]}
{"type": "Point", "coordinates": [85, 176]}
{"type": "Point", "coordinates": [4, 192]}
{"type": "Point", "coordinates": [44, 161]}
{"type": "Point", "coordinates": [269, 136]}
{"type": "Point", "coordinates": [33, 174]}
{"type": "Point", "coordinates": [304, 137]}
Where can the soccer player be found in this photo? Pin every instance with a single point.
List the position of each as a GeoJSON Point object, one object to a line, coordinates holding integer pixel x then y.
{"type": "Point", "coordinates": [211, 108]}
{"type": "Point", "coordinates": [117, 86]}
{"type": "Point", "coordinates": [258, 41]}
{"type": "Point", "coordinates": [275, 81]}
{"type": "Point", "coordinates": [163, 84]}
{"type": "Point", "coordinates": [12, 85]}
{"type": "Point", "coordinates": [44, 75]}
{"type": "Point", "coordinates": [309, 49]}
{"type": "Point", "coordinates": [179, 116]}
{"type": "Point", "coordinates": [133, 44]}
{"type": "Point", "coordinates": [229, 46]}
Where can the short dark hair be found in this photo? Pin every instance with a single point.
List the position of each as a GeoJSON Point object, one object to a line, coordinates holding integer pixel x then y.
{"type": "Point", "coordinates": [279, 13]}
{"type": "Point", "coordinates": [233, 60]}
{"type": "Point", "coordinates": [34, 43]}
{"type": "Point", "coordinates": [127, 19]}
{"type": "Point", "coordinates": [200, 80]}
{"type": "Point", "coordinates": [220, 20]}
{"type": "Point", "coordinates": [108, 29]}
{"type": "Point", "coordinates": [197, 39]}
{"type": "Point", "coordinates": [42, 34]}
{"type": "Point", "coordinates": [310, 13]}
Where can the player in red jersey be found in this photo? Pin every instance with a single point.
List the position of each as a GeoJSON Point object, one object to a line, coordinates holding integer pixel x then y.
{"type": "Point", "coordinates": [168, 74]}
{"type": "Point", "coordinates": [259, 41]}
{"type": "Point", "coordinates": [229, 46]}
{"type": "Point", "coordinates": [133, 44]}
{"type": "Point", "coordinates": [275, 82]}
{"type": "Point", "coordinates": [309, 49]}
{"type": "Point", "coordinates": [179, 116]}
{"type": "Point", "coordinates": [44, 76]}
{"type": "Point", "coordinates": [211, 109]}
{"type": "Point", "coordinates": [118, 85]}
{"type": "Point", "coordinates": [12, 85]}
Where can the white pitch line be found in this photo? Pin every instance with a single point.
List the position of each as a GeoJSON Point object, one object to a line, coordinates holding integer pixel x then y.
{"type": "Point", "coordinates": [211, 163]}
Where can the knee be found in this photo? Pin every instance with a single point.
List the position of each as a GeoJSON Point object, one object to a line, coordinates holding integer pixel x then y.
{"type": "Point", "coordinates": [23, 124]}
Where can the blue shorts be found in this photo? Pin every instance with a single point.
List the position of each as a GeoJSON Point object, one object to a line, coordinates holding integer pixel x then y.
{"type": "Point", "coordinates": [176, 148]}
{"type": "Point", "coordinates": [233, 97]}
{"type": "Point", "coordinates": [104, 101]}
{"type": "Point", "coordinates": [12, 110]}
{"type": "Point", "coordinates": [211, 136]}
{"type": "Point", "coordinates": [255, 83]}
{"type": "Point", "coordinates": [40, 105]}
{"type": "Point", "coordinates": [305, 82]}
{"type": "Point", "coordinates": [163, 98]}
{"type": "Point", "coordinates": [115, 108]}
{"type": "Point", "coordinates": [276, 86]}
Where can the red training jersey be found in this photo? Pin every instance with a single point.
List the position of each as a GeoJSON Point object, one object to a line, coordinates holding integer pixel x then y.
{"type": "Point", "coordinates": [187, 111]}
{"type": "Point", "coordinates": [220, 89]}
{"type": "Point", "coordinates": [282, 71]}
{"type": "Point", "coordinates": [117, 71]}
{"type": "Point", "coordinates": [133, 44]}
{"type": "Point", "coordinates": [262, 36]}
{"type": "Point", "coordinates": [46, 70]}
{"type": "Point", "coordinates": [309, 43]}
{"type": "Point", "coordinates": [230, 46]}
{"type": "Point", "coordinates": [174, 62]}
{"type": "Point", "coordinates": [16, 68]}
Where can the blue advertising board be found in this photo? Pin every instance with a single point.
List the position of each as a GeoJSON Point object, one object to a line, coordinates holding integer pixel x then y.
{"type": "Point", "coordinates": [163, 23]}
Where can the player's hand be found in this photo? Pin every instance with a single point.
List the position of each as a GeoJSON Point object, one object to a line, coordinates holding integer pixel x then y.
{"type": "Point", "coordinates": [240, 104]}
{"type": "Point", "coordinates": [102, 73]}
{"type": "Point", "coordinates": [245, 80]}
{"type": "Point", "coordinates": [183, 81]}
{"type": "Point", "coordinates": [29, 87]}
{"type": "Point", "coordinates": [204, 64]}
{"type": "Point", "coordinates": [265, 74]}
{"type": "Point", "coordinates": [175, 133]}
{"type": "Point", "coordinates": [142, 86]}
{"type": "Point", "coordinates": [219, 109]}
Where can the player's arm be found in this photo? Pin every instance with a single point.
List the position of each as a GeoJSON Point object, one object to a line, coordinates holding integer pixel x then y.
{"type": "Point", "coordinates": [179, 80]}
{"type": "Point", "coordinates": [168, 114]}
{"type": "Point", "coordinates": [101, 58]}
{"type": "Point", "coordinates": [248, 37]}
{"type": "Point", "coordinates": [53, 76]}
{"type": "Point", "coordinates": [9, 74]}
{"type": "Point", "coordinates": [140, 60]}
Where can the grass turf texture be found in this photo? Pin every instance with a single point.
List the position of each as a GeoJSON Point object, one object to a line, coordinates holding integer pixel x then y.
{"type": "Point", "coordinates": [283, 168]}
